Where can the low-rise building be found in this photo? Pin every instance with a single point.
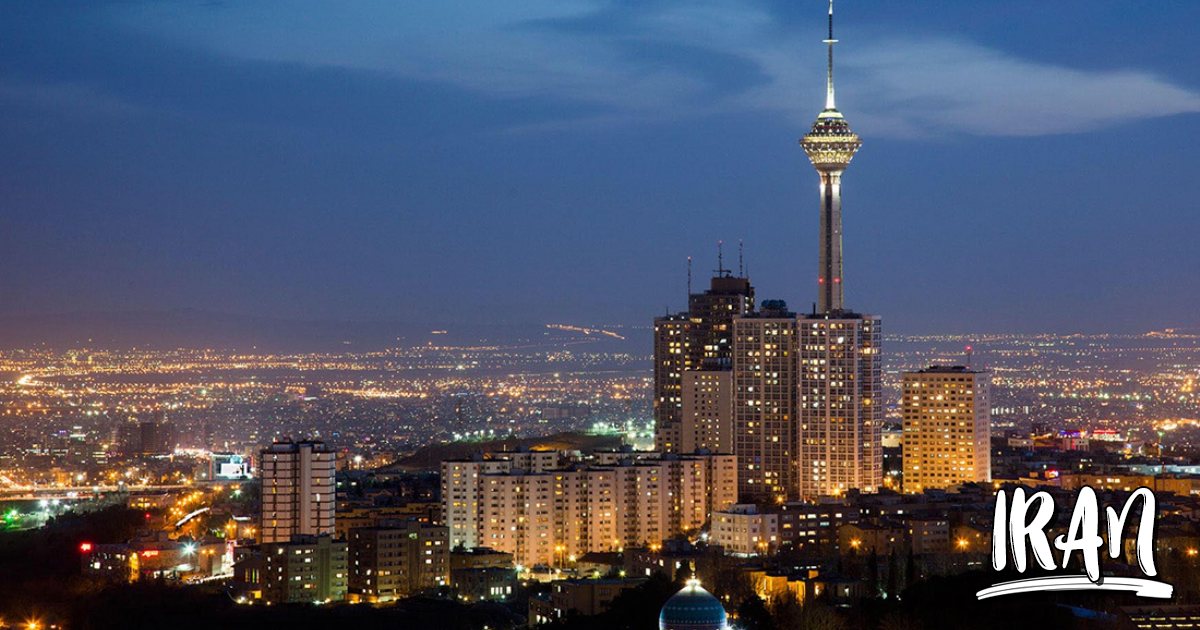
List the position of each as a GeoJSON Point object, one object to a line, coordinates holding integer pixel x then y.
{"type": "Point", "coordinates": [863, 538]}
{"type": "Point", "coordinates": [307, 569]}
{"type": "Point", "coordinates": [397, 560]}
{"type": "Point", "coordinates": [808, 524]}
{"type": "Point", "coordinates": [171, 560]}
{"type": "Point", "coordinates": [578, 597]}
{"type": "Point", "coordinates": [473, 584]}
{"type": "Point", "coordinates": [929, 535]}
{"type": "Point", "coordinates": [744, 530]}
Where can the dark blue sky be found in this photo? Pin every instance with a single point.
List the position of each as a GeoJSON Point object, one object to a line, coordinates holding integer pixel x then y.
{"type": "Point", "coordinates": [1027, 165]}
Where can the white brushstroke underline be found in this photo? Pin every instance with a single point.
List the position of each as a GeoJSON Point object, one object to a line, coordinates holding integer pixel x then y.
{"type": "Point", "coordinates": [1142, 587]}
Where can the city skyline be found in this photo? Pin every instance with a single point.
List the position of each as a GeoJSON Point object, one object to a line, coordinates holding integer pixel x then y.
{"type": "Point", "coordinates": [322, 317]}
{"type": "Point", "coordinates": [268, 179]}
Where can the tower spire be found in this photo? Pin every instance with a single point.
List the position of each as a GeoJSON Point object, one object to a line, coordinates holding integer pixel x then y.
{"type": "Point", "coordinates": [830, 145]}
{"type": "Point", "coordinates": [830, 103]}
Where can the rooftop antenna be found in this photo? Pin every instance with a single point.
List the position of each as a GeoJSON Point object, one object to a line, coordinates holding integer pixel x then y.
{"type": "Point", "coordinates": [689, 277]}
{"type": "Point", "coordinates": [970, 351]}
{"type": "Point", "coordinates": [741, 259]}
{"type": "Point", "coordinates": [721, 270]}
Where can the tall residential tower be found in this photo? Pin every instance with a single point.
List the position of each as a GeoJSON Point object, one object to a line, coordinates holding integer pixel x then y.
{"type": "Point", "coordinates": [700, 339]}
{"type": "Point", "coordinates": [298, 489]}
{"type": "Point", "coordinates": [947, 428]}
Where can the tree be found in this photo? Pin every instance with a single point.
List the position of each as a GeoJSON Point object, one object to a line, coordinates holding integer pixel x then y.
{"type": "Point", "coordinates": [787, 612]}
{"type": "Point", "coordinates": [892, 589]}
{"type": "Point", "coordinates": [910, 570]}
{"type": "Point", "coordinates": [873, 573]}
{"type": "Point", "coordinates": [753, 614]}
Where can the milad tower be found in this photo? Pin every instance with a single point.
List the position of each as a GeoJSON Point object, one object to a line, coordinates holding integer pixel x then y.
{"type": "Point", "coordinates": [840, 412]}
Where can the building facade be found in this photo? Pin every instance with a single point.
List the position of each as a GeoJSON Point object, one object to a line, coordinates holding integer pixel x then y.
{"type": "Point", "coordinates": [764, 403]}
{"type": "Point", "coordinates": [298, 491]}
{"type": "Point", "coordinates": [744, 530]}
{"type": "Point", "coordinates": [577, 597]}
{"type": "Point", "coordinates": [397, 560]}
{"type": "Point", "coordinates": [460, 497]}
{"type": "Point", "coordinates": [840, 405]}
{"type": "Point", "coordinates": [947, 428]}
{"type": "Point", "coordinates": [622, 499]}
{"type": "Point", "coordinates": [707, 416]}
{"type": "Point", "coordinates": [699, 339]}
{"type": "Point", "coordinates": [308, 569]}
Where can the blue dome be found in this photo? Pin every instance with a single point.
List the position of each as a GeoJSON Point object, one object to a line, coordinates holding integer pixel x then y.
{"type": "Point", "coordinates": [693, 608]}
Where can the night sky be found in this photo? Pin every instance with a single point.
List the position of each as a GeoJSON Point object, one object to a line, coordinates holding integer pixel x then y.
{"type": "Point", "coordinates": [1027, 166]}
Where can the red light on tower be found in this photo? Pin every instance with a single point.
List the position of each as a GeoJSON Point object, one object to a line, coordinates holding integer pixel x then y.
{"type": "Point", "coordinates": [85, 547]}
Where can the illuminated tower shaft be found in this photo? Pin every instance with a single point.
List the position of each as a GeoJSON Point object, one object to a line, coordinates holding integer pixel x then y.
{"type": "Point", "coordinates": [830, 147]}
{"type": "Point", "coordinates": [838, 386]}
{"type": "Point", "coordinates": [829, 280]}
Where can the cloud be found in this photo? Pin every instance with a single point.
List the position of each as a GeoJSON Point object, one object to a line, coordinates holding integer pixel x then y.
{"type": "Point", "coordinates": [667, 60]}
{"type": "Point", "coordinates": [960, 86]}
{"type": "Point", "coordinates": [74, 99]}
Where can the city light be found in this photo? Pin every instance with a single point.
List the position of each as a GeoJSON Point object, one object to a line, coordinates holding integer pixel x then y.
{"type": "Point", "coordinates": [283, 374]}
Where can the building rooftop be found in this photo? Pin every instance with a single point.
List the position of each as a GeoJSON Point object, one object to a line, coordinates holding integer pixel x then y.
{"type": "Point", "coordinates": [948, 369]}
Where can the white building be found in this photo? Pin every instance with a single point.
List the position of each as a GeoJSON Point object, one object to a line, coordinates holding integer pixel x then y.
{"type": "Point", "coordinates": [743, 530]}
{"type": "Point", "coordinates": [551, 517]}
{"type": "Point", "coordinates": [460, 497]}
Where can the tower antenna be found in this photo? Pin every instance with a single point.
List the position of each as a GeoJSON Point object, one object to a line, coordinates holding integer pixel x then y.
{"type": "Point", "coordinates": [829, 100]}
{"type": "Point", "coordinates": [741, 259]}
{"type": "Point", "coordinates": [721, 270]}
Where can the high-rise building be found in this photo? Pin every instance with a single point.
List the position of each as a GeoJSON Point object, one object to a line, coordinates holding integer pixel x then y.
{"type": "Point", "coordinates": [840, 411]}
{"type": "Point", "coordinates": [699, 339]}
{"type": "Point", "coordinates": [947, 427]}
{"type": "Point", "coordinates": [460, 497]}
{"type": "Point", "coordinates": [764, 403]}
{"type": "Point", "coordinates": [394, 561]}
{"type": "Point", "coordinates": [460, 487]}
{"type": "Point", "coordinates": [154, 436]}
{"type": "Point", "coordinates": [298, 490]}
{"type": "Point", "coordinates": [707, 419]}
